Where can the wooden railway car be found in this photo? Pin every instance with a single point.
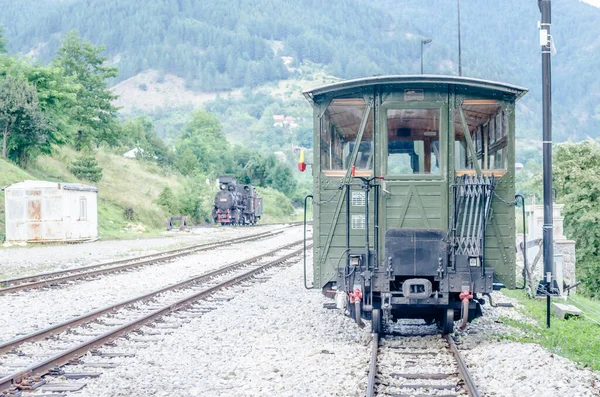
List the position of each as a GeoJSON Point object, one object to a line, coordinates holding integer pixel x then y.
{"type": "Point", "coordinates": [414, 195]}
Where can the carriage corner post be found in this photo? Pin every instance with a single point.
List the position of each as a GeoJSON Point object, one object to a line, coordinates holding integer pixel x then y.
{"type": "Point", "coordinates": [408, 171]}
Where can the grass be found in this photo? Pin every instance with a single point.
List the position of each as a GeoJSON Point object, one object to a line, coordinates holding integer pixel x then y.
{"type": "Point", "coordinates": [128, 183]}
{"type": "Point", "coordinates": [577, 339]}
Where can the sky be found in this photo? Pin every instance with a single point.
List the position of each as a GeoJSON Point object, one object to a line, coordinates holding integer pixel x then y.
{"type": "Point", "coordinates": [595, 3]}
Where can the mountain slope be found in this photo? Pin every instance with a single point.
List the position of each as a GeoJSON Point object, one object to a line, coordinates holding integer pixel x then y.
{"type": "Point", "coordinates": [222, 45]}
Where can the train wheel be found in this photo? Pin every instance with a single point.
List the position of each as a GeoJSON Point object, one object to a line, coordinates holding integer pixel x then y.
{"type": "Point", "coordinates": [448, 322]}
{"type": "Point", "coordinates": [376, 321]}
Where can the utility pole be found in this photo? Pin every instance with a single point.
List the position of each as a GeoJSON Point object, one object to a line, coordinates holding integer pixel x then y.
{"type": "Point", "coordinates": [423, 42]}
{"type": "Point", "coordinates": [546, 285]}
{"type": "Point", "coordinates": [459, 53]}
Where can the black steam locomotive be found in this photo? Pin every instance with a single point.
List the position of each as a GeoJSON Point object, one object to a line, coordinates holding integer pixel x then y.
{"type": "Point", "coordinates": [236, 204]}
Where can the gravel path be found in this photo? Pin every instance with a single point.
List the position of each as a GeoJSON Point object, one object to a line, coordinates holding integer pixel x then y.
{"type": "Point", "coordinates": [24, 312]}
{"type": "Point", "coordinates": [502, 368]}
{"type": "Point", "coordinates": [35, 258]}
{"type": "Point", "coordinates": [275, 339]}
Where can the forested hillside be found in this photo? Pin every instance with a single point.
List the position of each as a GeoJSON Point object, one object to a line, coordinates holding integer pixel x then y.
{"type": "Point", "coordinates": [221, 45]}
{"type": "Point", "coordinates": [62, 114]}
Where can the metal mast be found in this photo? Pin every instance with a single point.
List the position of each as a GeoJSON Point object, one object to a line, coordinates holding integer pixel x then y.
{"type": "Point", "coordinates": [546, 44]}
{"type": "Point", "coordinates": [459, 53]}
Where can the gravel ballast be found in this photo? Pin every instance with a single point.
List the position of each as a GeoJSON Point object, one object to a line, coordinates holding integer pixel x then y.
{"type": "Point", "coordinates": [27, 311]}
{"type": "Point", "coordinates": [274, 339]}
{"type": "Point", "coordinates": [503, 368]}
{"type": "Point", "coordinates": [37, 258]}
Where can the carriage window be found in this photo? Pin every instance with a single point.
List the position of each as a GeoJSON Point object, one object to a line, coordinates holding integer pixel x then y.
{"type": "Point", "coordinates": [82, 209]}
{"type": "Point", "coordinates": [488, 127]}
{"type": "Point", "coordinates": [340, 126]}
{"type": "Point", "coordinates": [413, 141]}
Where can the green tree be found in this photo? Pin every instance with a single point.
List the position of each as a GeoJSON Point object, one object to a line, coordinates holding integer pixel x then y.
{"type": "Point", "coordinates": [204, 137]}
{"type": "Point", "coordinates": [3, 41]}
{"type": "Point", "coordinates": [24, 127]}
{"type": "Point", "coordinates": [57, 95]}
{"type": "Point", "coordinates": [577, 180]}
{"type": "Point", "coordinates": [140, 133]}
{"type": "Point", "coordinates": [86, 167]}
{"type": "Point", "coordinates": [168, 201]}
{"type": "Point", "coordinates": [186, 161]}
{"type": "Point", "coordinates": [282, 179]}
{"type": "Point", "coordinates": [94, 113]}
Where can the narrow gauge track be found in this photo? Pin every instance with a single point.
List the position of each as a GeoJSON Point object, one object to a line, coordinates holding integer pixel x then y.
{"type": "Point", "coordinates": [112, 323]}
{"type": "Point", "coordinates": [61, 276]}
{"type": "Point", "coordinates": [418, 366]}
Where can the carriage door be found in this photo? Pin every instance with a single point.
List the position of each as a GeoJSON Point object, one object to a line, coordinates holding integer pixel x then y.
{"type": "Point", "coordinates": [414, 154]}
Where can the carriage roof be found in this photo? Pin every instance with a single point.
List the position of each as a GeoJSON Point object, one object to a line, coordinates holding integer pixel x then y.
{"type": "Point", "coordinates": [400, 80]}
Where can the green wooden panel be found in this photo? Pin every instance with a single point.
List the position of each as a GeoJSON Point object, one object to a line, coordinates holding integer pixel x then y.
{"type": "Point", "coordinates": [413, 201]}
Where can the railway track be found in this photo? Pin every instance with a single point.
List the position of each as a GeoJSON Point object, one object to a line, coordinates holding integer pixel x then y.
{"type": "Point", "coordinates": [417, 366]}
{"type": "Point", "coordinates": [57, 277]}
{"type": "Point", "coordinates": [23, 364]}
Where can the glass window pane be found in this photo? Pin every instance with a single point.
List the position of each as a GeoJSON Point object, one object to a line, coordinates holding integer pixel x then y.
{"type": "Point", "coordinates": [340, 125]}
{"type": "Point", "coordinates": [487, 125]}
{"type": "Point", "coordinates": [413, 141]}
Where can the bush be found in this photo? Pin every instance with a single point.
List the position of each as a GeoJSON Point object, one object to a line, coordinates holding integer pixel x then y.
{"type": "Point", "coordinates": [168, 201]}
{"type": "Point", "coordinates": [86, 167]}
{"type": "Point", "coordinates": [276, 204]}
{"type": "Point", "coordinates": [577, 180]}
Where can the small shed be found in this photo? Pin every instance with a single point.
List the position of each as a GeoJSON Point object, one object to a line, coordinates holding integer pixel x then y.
{"type": "Point", "coordinates": [41, 211]}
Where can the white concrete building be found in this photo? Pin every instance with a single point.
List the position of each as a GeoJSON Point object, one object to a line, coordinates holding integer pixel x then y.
{"type": "Point", "coordinates": [41, 211]}
{"type": "Point", "coordinates": [564, 249]}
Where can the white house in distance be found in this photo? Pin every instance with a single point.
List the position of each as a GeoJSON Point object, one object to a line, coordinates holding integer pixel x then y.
{"type": "Point", "coordinates": [41, 211]}
{"type": "Point", "coordinates": [133, 153]}
{"type": "Point", "coordinates": [281, 120]}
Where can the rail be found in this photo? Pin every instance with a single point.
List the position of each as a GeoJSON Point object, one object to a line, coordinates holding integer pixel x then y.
{"type": "Point", "coordinates": [60, 276]}
{"type": "Point", "coordinates": [466, 382]}
{"type": "Point", "coordinates": [17, 379]}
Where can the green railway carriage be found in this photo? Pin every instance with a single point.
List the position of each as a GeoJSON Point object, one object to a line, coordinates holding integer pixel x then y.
{"type": "Point", "coordinates": [413, 195]}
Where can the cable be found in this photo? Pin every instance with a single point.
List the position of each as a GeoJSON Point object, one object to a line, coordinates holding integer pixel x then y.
{"type": "Point", "coordinates": [329, 200]}
{"type": "Point", "coordinates": [338, 267]}
{"type": "Point", "coordinates": [490, 298]}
